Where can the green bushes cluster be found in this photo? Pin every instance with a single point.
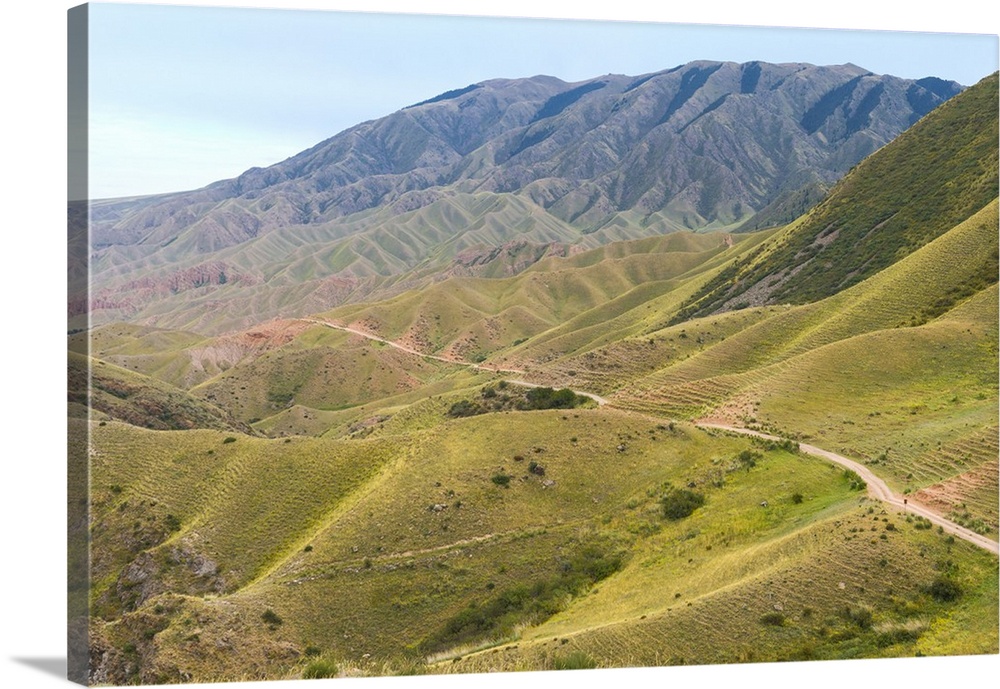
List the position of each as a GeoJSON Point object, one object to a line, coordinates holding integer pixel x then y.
{"type": "Point", "coordinates": [678, 503]}
{"type": "Point", "coordinates": [526, 603]}
{"type": "Point", "coordinates": [505, 397]}
{"type": "Point", "coordinates": [549, 398]}
{"type": "Point", "coordinates": [320, 669]}
{"type": "Point", "coordinates": [855, 481]}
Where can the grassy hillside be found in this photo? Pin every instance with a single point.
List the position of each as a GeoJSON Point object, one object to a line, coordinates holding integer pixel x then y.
{"type": "Point", "coordinates": [203, 511]}
{"type": "Point", "coordinates": [858, 585]}
{"type": "Point", "coordinates": [421, 554]}
{"type": "Point", "coordinates": [293, 499]}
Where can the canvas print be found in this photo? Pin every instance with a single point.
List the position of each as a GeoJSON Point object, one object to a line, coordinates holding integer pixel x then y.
{"type": "Point", "coordinates": [409, 344]}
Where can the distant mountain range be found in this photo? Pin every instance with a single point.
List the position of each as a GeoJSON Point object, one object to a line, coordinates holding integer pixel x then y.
{"type": "Point", "coordinates": [546, 165]}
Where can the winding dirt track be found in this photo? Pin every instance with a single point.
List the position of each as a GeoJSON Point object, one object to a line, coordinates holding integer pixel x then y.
{"type": "Point", "coordinates": [479, 367]}
{"type": "Point", "coordinates": [877, 488]}
{"type": "Point", "coordinates": [410, 350]}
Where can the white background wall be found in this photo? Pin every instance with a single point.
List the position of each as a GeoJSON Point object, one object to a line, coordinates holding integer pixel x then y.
{"type": "Point", "coordinates": [32, 266]}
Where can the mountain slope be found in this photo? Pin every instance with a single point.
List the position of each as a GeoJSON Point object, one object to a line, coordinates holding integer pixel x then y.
{"type": "Point", "coordinates": [701, 146]}
{"type": "Point", "coordinates": [925, 182]}
{"type": "Point", "coordinates": [542, 135]}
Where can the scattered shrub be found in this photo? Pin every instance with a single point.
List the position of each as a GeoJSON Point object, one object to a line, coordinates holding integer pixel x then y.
{"type": "Point", "coordinates": [271, 617]}
{"type": "Point", "coordinates": [680, 502]}
{"type": "Point", "coordinates": [773, 619]}
{"type": "Point", "coordinates": [501, 479]}
{"type": "Point", "coordinates": [797, 498]}
{"type": "Point", "coordinates": [229, 439]}
{"type": "Point", "coordinates": [320, 669]}
{"type": "Point", "coordinates": [577, 660]}
{"type": "Point", "coordinates": [944, 589]}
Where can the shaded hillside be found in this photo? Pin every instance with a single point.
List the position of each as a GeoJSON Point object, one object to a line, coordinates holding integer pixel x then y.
{"type": "Point", "coordinates": [111, 392]}
{"type": "Point", "coordinates": [925, 182]}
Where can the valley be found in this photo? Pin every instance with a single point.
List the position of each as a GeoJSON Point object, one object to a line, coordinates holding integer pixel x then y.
{"type": "Point", "coordinates": [454, 413]}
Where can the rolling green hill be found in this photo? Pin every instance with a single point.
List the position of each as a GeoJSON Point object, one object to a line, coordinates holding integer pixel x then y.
{"type": "Point", "coordinates": [367, 491]}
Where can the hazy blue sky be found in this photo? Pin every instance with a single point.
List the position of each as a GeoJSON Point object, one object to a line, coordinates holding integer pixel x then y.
{"type": "Point", "coordinates": [183, 96]}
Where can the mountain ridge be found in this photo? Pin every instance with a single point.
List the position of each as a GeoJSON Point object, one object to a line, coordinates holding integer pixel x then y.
{"type": "Point", "coordinates": [706, 145]}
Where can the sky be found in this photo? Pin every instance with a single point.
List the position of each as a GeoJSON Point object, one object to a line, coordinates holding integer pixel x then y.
{"type": "Point", "coordinates": [181, 96]}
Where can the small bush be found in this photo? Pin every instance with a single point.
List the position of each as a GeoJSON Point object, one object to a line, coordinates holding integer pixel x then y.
{"type": "Point", "coordinates": [320, 669]}
{"type": "Point", "coordinates": [797, 498]}
{"type": "Point", "coordinates": [747, 459]}
{"type": "Point", "coordinates": [229, 439]}
{"type": "Point", "coordinates": [577, 660]}
{"type": "Point", "coordinates": [271, 617]}
{"type": "Point", "coordinates": [860, 615]}
{"type": "Point", "coordinates": [944, 590]}
{"type": "Point", "coordinates": [855, 481]}
{"type": "Point", "coordinates": [172, 523]}
{"type": "Point", "coordinates": [312, 651]}
{"type": "Point", "coordinates": [536, 469]}
{"type": "Point", "coordinates": [501, 479]}
{"type": "Point", "coordinates": [680, 502]}
{"type": "Point", "coordinates": [773, 619]}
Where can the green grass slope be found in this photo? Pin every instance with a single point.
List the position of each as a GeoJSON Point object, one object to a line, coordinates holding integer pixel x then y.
{"type": "Point", "coordinates": [203, 511]}
{"type": "Point", "coordinates": [859, 585]}
{"type": "Point", "coordinates": [420, 555]}
{"type": "Point", "coordinates": [473, 319]}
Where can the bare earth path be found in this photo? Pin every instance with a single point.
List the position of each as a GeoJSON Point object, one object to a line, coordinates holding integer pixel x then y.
{"type": "Point", "coordinates": [877, 488]}
{"type": "Point", "coordinates": [410, 350]}
{"type": "Point", "coordinates": [479, 367]}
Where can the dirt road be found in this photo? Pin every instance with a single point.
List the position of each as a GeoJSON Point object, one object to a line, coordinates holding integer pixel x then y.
{"type": "Point", "coordinates": [877, 488]}
{"type": "Point", "coordinates": [479, 367]}
{"type": "Point", "coordinates": [410, 350]}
